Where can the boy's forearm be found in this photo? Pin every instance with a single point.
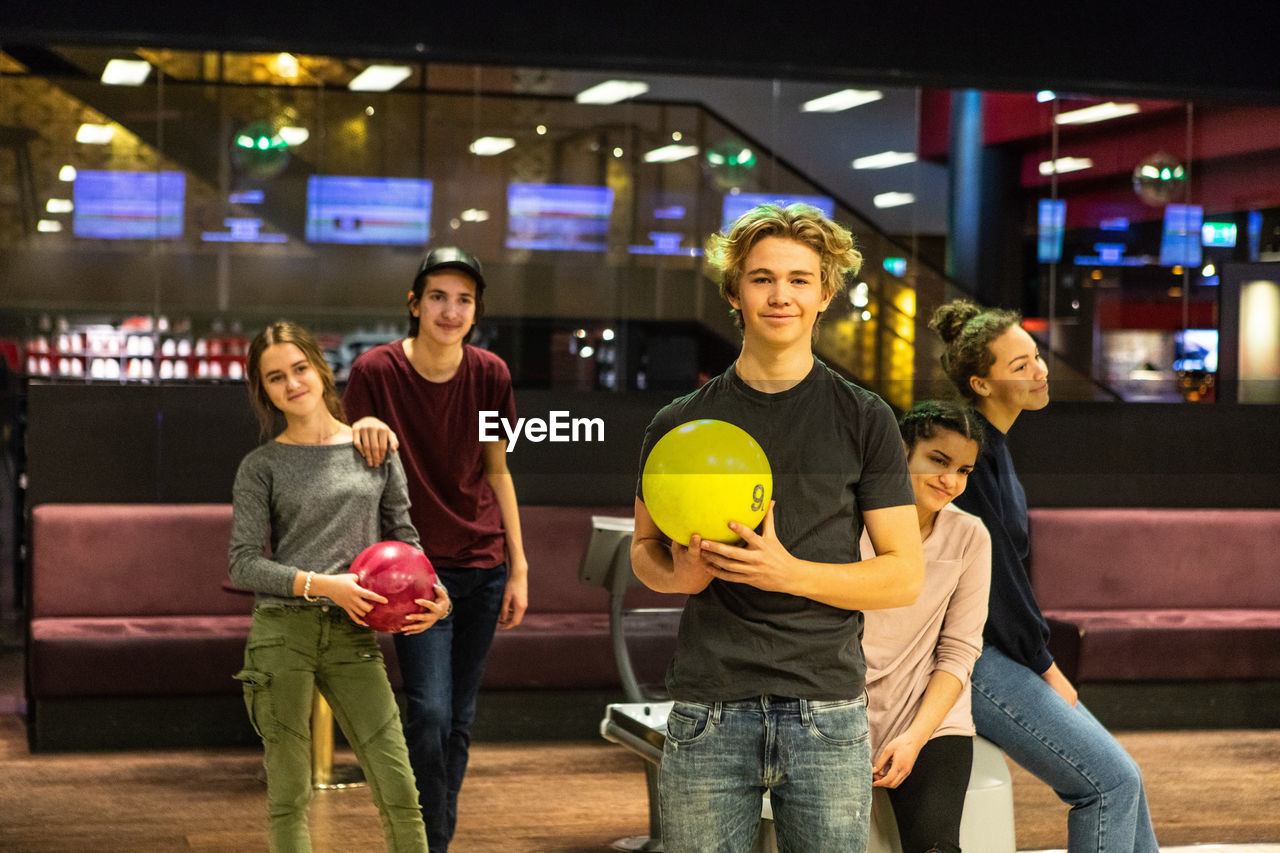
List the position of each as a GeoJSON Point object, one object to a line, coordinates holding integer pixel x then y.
{"type": "Point", "coordinates": [882, 582]}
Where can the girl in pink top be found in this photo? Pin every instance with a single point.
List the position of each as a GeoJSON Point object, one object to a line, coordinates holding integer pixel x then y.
{"type": "Point", "coordinates": [919, 657]}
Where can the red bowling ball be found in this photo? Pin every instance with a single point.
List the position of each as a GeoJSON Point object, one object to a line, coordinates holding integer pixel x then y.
{"type": "Point", "coordinates": [398, 572]}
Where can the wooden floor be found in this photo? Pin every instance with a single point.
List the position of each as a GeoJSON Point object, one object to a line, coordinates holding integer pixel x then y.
{"type": "Point", "coordinates": [1215, 786]}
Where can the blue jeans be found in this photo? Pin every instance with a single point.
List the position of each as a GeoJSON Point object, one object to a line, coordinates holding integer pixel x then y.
{"type": "Point", "coordinates": [813, 757]}
{"type": "Point", "coordinates": [1067, 749]}
{"type": "Point", "coordinates": [442, 668]}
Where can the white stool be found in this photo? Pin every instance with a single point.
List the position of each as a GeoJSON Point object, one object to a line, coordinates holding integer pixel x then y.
{"type": "Point", "coordinates": [987, 823]}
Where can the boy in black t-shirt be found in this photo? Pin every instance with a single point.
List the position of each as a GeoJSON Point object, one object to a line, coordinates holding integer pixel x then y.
{"type": "Point", "coordinates": [768, 675]}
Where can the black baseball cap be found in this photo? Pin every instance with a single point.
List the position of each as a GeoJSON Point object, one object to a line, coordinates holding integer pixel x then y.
{"type": "Point", "coordinates": [450, 257]}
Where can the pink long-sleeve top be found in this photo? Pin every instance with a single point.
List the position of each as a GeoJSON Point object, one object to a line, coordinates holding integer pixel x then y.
{"type": "Point", "coordinates": [904, 646]}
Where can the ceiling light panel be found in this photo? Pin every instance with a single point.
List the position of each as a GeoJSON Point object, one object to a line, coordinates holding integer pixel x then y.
{"type": "Point", "coordinates": [488, 146]}
{"type": "Point", "coordinates": [1098, 112]}
{"type": "Point", "coordinates": [845, 99]}
{"type": "Point", "coordinates": [379, 78]}
{"type": "Point", "coordinates": [884, 160]}
{"type": "Point", "coordinates": [886, 200]}
{"type": "Point", "coordinates": [126, 72]}
{"type": "Point", "coordinates": [1065, 164]}
{"type": "Point", "coordinates": [95, 134]}
{"type": "Point", "coordinates": [670, 153]}
{"type": "Point", "coordinates": [612, 91]}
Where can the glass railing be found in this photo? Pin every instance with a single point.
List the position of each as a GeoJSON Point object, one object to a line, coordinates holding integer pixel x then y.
{"type": "Point", "coordinates": [153, 228]}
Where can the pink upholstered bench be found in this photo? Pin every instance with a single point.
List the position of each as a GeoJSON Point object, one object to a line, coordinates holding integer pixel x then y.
{"type": "Point", "coordinates": [129, 604]}
{"type": "Point", "coordinates": [1163, 594]}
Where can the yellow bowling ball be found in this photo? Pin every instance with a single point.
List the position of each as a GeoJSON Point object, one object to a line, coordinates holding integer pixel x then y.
{"type": "Point", "coordinates": [703, 474]}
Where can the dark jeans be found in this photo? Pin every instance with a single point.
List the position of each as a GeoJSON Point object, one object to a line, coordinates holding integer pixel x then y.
{"type": "Point", "coordinates": [929, 803]}
{"type": "Point", "coordinates": [442, 668]}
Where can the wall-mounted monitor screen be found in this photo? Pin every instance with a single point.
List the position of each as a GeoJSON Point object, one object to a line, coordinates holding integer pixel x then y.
{"type": "Point", "coordinates": [1180, 241]}
{"type": "Point", "coordinates": [360, 210]}
{"type": "Point", "coordinates": [736, 205]}
{"type": "Point", "coordinates": [115, 205]}
{"type": "Point", "coordinates": [1196, 350]}
{"type": "Point", "coordinates": [558, 217]}
{"type": "Point", "coordinates": [664, 221]}
{"type": "Point", "coordinates": [1052, 220]}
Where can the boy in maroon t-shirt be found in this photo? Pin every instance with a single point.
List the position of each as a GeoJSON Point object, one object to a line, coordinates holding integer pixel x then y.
{"type": "Point", "coordinates": [424, 394]}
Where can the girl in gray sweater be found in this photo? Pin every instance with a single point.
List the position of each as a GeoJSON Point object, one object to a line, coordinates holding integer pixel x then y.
{"type": "Point", "coordinates": [311, 496]}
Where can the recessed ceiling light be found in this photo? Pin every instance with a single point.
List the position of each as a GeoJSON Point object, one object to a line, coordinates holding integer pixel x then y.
{"type": "Point", "coordinates": [59, 205]}
{"type": "Point", "coordinates": [611, 92]}
{"type": "Point", "coordinates": [67, 173]}
{"type": "Point", "coordinates": [670, 153]}
{"type": "Point", "coordinates": [487, 146]}
{"type": "Point", "coordinates": [1065, 164]}
{"type": "Point", "coordinates": [884, 160]}
{"type": "Point", "coordinates": [49, 226]}
{"type": "Point", "coordinates": [95, 134]}
{"type": "Point", "coordinates": [845, 99]}
{"type": "Point", "coordinates": [884, 200]}
{"type": "Point", "coordinates": [126, 72]}
{"type": "Point", "coordinates": [1098, 112]}
{"type": "Point", "coordinates": [473, 214]}
{"type": "Point", "coordinates": [379, 78]}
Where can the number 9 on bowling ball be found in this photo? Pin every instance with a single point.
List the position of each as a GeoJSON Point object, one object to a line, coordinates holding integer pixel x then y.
{"type": "Point", "coordinates": [703, 474]}
{"type": "Point", "coordinates": [399, 573]}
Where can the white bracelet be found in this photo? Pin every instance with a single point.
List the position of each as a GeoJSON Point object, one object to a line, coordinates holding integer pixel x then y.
{"type": "Point", "coordinates": [306, 587]}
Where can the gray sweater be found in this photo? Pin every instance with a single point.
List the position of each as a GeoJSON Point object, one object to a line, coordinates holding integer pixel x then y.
{"type": "Point", "coordinates": [317, 507]}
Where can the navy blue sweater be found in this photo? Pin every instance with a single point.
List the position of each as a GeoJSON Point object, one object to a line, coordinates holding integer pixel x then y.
{"type": "Point", "coordinates": [1015, 624]}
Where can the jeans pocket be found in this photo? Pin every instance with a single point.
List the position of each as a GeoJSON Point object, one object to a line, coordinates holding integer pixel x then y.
{"type": "Point", "coordinates": [688, 723]}
{"type": "Point", "coordinates": [258, 702]}
{"type": "Point", "coordinates": [839, 723]}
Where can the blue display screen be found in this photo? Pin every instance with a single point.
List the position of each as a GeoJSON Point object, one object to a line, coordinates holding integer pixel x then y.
{"type": "Point", "coordinates": [1051, 220]}
{"type": "Point", "coordinates": [1196, 349]}
{"type": "Point", "coordinates": [359, 210]}
{"type": "Point", "coordinates": [1180, 242]}
{"type": "Point", "coordinates": [112, 205]}
{"type": "Point", "coordinates": [736, 205]}
{"type": "Point", "coordinates": [558, 217]}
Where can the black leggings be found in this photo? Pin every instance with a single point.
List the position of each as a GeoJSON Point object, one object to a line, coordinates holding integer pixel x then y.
{"type": "Point", "coordinates": [929, 802]}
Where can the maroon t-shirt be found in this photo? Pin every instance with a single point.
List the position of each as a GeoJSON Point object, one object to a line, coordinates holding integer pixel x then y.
{"type": "Point", "coordinates": [438, 423]}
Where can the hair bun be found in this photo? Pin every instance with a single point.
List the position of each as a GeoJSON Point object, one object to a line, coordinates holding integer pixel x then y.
{"type": "Point", "coordinates": [950, 319]}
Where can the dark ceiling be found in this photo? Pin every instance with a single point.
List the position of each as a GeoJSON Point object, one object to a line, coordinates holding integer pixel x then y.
{"type": "Point", "coordinates": [1141, 48]}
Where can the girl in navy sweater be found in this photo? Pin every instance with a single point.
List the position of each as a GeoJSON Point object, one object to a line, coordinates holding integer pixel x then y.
{"type": "Point", "coordinates": [1022, 701]}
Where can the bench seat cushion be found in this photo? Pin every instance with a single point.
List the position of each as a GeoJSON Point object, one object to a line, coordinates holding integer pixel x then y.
{"type": "Point", "coordinates": [193, 655]}
{"type": "Point", "coordinates": [157, 655]}
{"type": "Point", "coordinates": [1175, 644]}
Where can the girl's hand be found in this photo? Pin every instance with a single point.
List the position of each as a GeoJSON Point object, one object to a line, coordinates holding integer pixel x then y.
{"type": "Point", "coordinates": [345, 591]}
{"type": "Point", "coordinates": [432, 612]}
{"type": "Point", "coordinates": [373, 439]}
{"type": "Point", "coordinates": [895, 761]}
{"type": "Point", "coordinates": [1061, 685]}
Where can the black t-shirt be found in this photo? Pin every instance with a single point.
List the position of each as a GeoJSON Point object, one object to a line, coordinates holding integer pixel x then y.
{"type": "Point", "coordinates": [835, 452]}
